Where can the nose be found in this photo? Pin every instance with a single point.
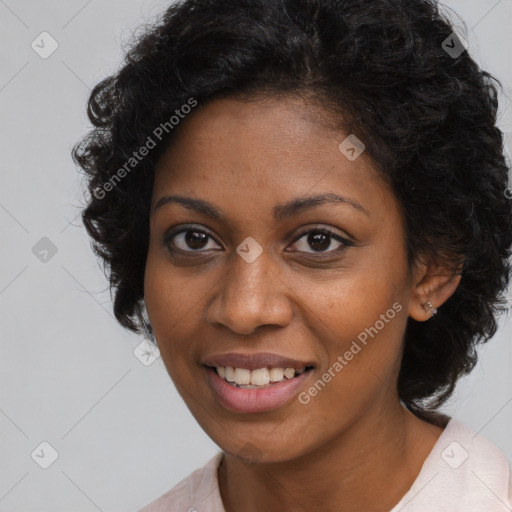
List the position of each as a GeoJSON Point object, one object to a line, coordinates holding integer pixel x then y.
{"type": "Point", "coordinates": [251, 295]}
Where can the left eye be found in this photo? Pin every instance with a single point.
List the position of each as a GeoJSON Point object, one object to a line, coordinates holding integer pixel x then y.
{"type": "Point", "coordinates": [320, 240]}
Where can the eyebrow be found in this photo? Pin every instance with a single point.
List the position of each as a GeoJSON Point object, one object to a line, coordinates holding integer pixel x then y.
{"type": "Point", "coordinates": [280, 212]}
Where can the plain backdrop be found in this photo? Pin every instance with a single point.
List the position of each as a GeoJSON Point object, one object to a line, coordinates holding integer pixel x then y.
{"type": "Point", "coordinates": [69, 374]}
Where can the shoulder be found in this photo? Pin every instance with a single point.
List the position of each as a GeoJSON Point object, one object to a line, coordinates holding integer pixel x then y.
{"type": "Point", "coordinates": [464, 471]}
{"type": "Point", "coordinates": [198, 491]}
{"type": "Point", "coordinates": [474, 466]}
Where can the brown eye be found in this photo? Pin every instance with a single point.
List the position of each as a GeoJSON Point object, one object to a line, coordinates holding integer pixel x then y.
{"type": "Point", "coordinates": [188, 240]}
{"type": "Point", "coordinates": [320, 240]}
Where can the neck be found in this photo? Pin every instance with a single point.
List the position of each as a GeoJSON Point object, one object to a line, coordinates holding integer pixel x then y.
{"type": "Point", "coordinates": [370, 466]}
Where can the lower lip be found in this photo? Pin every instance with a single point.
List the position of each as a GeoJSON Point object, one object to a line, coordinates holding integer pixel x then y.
{"type": "Point", "coordinates": [255, 400]}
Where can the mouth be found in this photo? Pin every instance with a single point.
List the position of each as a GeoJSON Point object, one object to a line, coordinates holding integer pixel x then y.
{"type": "Point", "coordinates": [258, 378]}
{"type": "Point", "coordinates": [262, 387]}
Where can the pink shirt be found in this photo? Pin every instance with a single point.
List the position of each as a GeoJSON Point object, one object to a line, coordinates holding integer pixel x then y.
{"type": "Point", "coordinates": [464, 472]}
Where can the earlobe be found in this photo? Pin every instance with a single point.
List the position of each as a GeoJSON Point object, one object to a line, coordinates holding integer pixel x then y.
{"type": "Point", "coordinates": [431, 293]}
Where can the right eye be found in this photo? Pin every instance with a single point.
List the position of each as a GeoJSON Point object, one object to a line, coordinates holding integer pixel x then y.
{"type": "Point", "coordinates": [188, 240]}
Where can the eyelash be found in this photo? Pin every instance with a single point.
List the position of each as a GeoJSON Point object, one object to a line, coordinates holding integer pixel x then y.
{"type": "Point", "coordinates": [326, 231]}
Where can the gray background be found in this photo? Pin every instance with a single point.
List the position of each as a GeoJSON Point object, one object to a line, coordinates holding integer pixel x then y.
{"type": "Point", "coordinates": [68, 373]}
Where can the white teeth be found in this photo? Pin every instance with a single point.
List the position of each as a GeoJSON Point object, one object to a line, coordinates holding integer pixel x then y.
{"type": "Point", "coordinates": [230, 374]}
{"type": "Point", "coordinates": [276, 374]}
{"type": "Point", "coordinates": [242, 376]}
{"type": "Point", "coordinates": [289, 373]}
{"type": "Point", "coordinates": [258, 377]}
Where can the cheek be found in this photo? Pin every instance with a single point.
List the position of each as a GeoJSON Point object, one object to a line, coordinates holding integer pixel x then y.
{"type": "Point", "coordinates": [359, 319]}
{"type": "Point", "coordinates": [361, 362]}
{"type": "Point", "coordinates": [349, 301]}
{"type": "Point", "coordinates": [170, 303]}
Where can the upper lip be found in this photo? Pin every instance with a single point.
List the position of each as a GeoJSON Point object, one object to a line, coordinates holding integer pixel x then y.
{"type": "Point", "coordinates": [254, 361]}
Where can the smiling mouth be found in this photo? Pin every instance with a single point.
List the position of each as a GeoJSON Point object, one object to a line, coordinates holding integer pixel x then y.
{"type": "Point", "coordinates": [258, 378]}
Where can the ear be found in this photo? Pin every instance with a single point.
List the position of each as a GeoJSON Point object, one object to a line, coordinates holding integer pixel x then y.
{"type": "Point", "coordinates": [434, 283]}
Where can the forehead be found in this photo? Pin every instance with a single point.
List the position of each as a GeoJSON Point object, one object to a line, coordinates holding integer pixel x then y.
{"type": "Point", "coordinates": [263, 152]}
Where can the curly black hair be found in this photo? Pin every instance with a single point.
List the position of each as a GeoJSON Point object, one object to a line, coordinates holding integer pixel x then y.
{"type": "Point", "coordinates": [426, 115]}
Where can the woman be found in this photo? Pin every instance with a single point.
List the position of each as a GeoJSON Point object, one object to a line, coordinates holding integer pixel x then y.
{"type": "Point", "coordinates": [305, 203]}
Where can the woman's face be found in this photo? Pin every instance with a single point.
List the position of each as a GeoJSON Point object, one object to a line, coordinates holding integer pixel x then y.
{"type": "Point", "coordinates": [263, 279]}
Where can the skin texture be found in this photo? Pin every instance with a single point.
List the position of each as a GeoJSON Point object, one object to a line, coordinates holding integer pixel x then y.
{"type": "Point", "coordinates": [353, 447]}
